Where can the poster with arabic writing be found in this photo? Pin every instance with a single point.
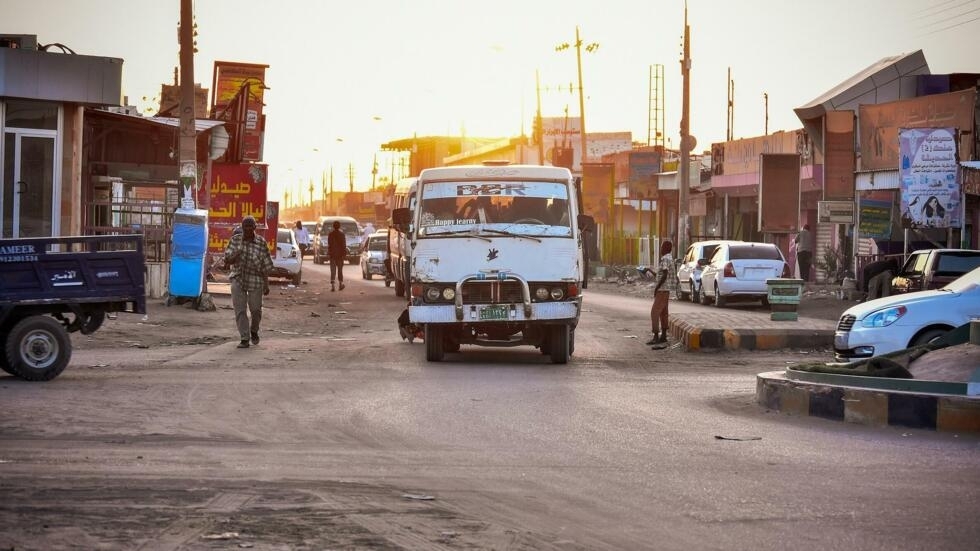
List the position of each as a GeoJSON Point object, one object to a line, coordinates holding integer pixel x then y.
{"type": "Point", "coordinates": [931, 196]}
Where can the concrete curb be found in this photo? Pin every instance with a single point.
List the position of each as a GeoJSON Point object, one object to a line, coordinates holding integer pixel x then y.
{"type": "Point", "coordinates": [946, 413]}
{"type": "Point", "coordinates": [696, 337]}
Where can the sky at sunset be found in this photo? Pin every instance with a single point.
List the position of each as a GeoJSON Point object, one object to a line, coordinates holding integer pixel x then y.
{"type": "Point", "coordinates": [347, 76]}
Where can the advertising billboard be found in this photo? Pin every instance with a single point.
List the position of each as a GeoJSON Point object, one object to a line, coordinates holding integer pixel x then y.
{"type": "Point", "coordinates": [238, 98]}
{"type": "Point", "coordinates": [880, 124]}
{"type": "Point", "coordinates": [779, 192]}
{"type": "Point", "coordinates": [929, 173]}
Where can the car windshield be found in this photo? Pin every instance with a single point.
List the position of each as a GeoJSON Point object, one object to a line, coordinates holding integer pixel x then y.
{"type": "Point", "coordinates": [518, 207]}
{"type": "Point", "coordinates": [378, 244]}
{"type": "Point", "coordinates": [965, 281]}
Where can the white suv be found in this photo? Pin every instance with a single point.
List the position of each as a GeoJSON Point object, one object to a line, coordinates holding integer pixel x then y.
{"type": "Point", "coordinates": [288, 261]}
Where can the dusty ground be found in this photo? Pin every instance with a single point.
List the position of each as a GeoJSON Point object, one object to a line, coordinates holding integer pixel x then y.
{"type": "Point", "coordinates": [311, 309]}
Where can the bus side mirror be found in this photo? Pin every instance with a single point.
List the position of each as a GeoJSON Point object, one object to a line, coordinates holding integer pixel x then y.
{"type": "Point", "coordinates": [401, 219]}
{"type": "Point", "coordinates": [586, 223]}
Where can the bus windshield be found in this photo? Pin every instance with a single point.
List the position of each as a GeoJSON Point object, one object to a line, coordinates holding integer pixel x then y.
{"type": "Point", "coordinates": [524, 207]}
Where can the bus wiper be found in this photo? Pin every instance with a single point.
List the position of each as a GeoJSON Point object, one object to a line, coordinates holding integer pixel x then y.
{"type": "Point", "coordinates": [511, 234]}
{"type": "Point", "coordinates": [472, 232]}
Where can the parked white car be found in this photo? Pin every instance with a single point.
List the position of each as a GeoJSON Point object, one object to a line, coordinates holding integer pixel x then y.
{"type": "Point", "coordinates": [374, 252]}
{"type": "Point", "coordinates": [738, 271]}
{"type": "Point", "coordinates": [288, 261]}
{"type": "Point", "coordinates": [902, 321]}
{"type": "Point", "coordinates": [697, 256]}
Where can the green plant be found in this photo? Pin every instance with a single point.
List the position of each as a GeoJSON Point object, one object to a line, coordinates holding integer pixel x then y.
{"type": "Point", "coordinates": [833, 263]}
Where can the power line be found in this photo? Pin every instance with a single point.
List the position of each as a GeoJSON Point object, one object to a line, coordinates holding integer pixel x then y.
{"type": "Point", "coordinates": [949, 8]}
{"type": "Point", "coordinates": [953, 17]}
{"type": "Point", "coordinates": [927, 8]}
{"type": "Point", "coordinates": [950, 27]}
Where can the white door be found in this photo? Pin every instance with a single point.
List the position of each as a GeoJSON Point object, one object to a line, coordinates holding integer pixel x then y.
{"type": "Point", "coordinates": [27, 202]}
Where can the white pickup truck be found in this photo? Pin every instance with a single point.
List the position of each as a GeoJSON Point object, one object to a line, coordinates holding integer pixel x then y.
{"type": "Point", "coordinates": [498, 258]}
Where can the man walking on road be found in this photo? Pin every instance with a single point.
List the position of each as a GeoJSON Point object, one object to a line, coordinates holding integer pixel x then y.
{"type": "Point", "coordinates": [250, 261]}
{"type": "Point", "coordinates": [804, 251]}
{"type": "Point", "coordinates": [337, 251]}
{"type": "Point", "coordinates": [302, 237]}
{"type": "Point", "coordinates": [661, 298]}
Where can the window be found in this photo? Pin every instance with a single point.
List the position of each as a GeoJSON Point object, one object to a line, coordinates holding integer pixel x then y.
{"type": "Point", "coordinates": [741, 252]}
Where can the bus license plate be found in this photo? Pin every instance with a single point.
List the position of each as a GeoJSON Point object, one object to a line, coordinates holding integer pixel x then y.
{"type": "Point", "coordinates": [494, 312]}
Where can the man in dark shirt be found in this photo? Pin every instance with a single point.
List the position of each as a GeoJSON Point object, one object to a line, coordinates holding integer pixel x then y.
{"type": "Point", "coordinates": [337, 251]}
{"type": "Point", "coordinates": [250, 261]}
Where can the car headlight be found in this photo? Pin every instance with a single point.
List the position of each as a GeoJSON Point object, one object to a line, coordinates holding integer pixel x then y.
{"type": "Point", "coordinates": [557, 293]}
{"type": "Point", "coordinates": [541, 293]}
{"type": "Point", "coordinates": [884, 318]}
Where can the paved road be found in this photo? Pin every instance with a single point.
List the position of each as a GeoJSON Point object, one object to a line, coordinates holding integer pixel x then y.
{"type": "Point", "coordinates": [334, 433]}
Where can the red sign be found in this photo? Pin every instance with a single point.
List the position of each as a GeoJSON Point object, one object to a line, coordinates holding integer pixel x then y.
{"type": "Point", "coordinates": [237, 191]}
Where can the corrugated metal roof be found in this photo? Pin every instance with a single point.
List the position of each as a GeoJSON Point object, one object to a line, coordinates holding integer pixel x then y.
{"type": "Point", "coordinates": [200, 125]}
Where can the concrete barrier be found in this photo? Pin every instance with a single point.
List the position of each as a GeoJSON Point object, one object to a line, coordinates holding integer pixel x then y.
{"type": "Point", "coordinates": [157, 279]}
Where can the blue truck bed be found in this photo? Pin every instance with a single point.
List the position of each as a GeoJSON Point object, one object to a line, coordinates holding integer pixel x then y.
{"type": "Point", "coordinates": [51, 286]}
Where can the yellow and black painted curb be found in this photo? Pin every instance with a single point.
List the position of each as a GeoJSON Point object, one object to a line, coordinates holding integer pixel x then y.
{"type": "Point", "coordinates": [940, 412]}
{"type": "Point", "coordinates": [697, 338]}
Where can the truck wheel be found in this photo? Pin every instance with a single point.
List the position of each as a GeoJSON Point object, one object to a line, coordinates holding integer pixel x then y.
{"type": "Point", "coordinates": [38, 348]}
{"type": "Point", "coordinates": [559, 344]}
{"type": "Point", "coordinates": [433, 342]}
{"type": "Point", "coordinates": [92, 321]}
{"type": "Point", "coordinates": [4, 365]}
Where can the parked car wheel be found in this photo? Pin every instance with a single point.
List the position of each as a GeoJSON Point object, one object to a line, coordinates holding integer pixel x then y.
{"type": "Point", "coordinates": [705, 299]}
{"type": "Point", "coordinates": [720, 301]}
{"type": "Point", "coordinates": [298, 278]}
{"type": "Point", "coordinates": [681, 295]}
{"type": "Point", "coordinates": [928, 336]}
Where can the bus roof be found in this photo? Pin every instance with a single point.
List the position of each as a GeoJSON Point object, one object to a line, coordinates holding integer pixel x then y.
{"type": "Point", "coordinates": [508, 172]}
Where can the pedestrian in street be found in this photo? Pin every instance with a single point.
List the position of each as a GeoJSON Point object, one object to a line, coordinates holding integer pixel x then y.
{"type": "Point", "coordinates": [661, 298]}
{"type": "Point", "coordinates": [248, 256]}
{"type": "Point", "coordinates": [337, 251]}
{"type": "Point", "coordinates": [366, 234]}
{"type": "Point", "coordinates": [878, 276]}
{"type": "Point", "coordinates": [804, 252]}
{"type": "Point", "coordinates": [302, 237]}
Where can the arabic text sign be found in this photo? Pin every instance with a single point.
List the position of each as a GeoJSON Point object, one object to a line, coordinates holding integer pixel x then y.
{"type": "Point", "coordinates": [931, 196]}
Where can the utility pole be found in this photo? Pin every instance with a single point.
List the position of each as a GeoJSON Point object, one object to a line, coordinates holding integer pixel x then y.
{"type": "Point", "coordinates": [687, 144]}
{"type": "Point", "coordinates": [539, 122]}
{"type": "Point", "coordinates": [731, 107]}
{"type": "Point", "coordinates": [765, 98]}
{"type": "Point", "coordinates": [187, 146]}
{"type": "Point", "coordinates": [581, 93]}
{"type": "Point", "coordinates": [350, 176]}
